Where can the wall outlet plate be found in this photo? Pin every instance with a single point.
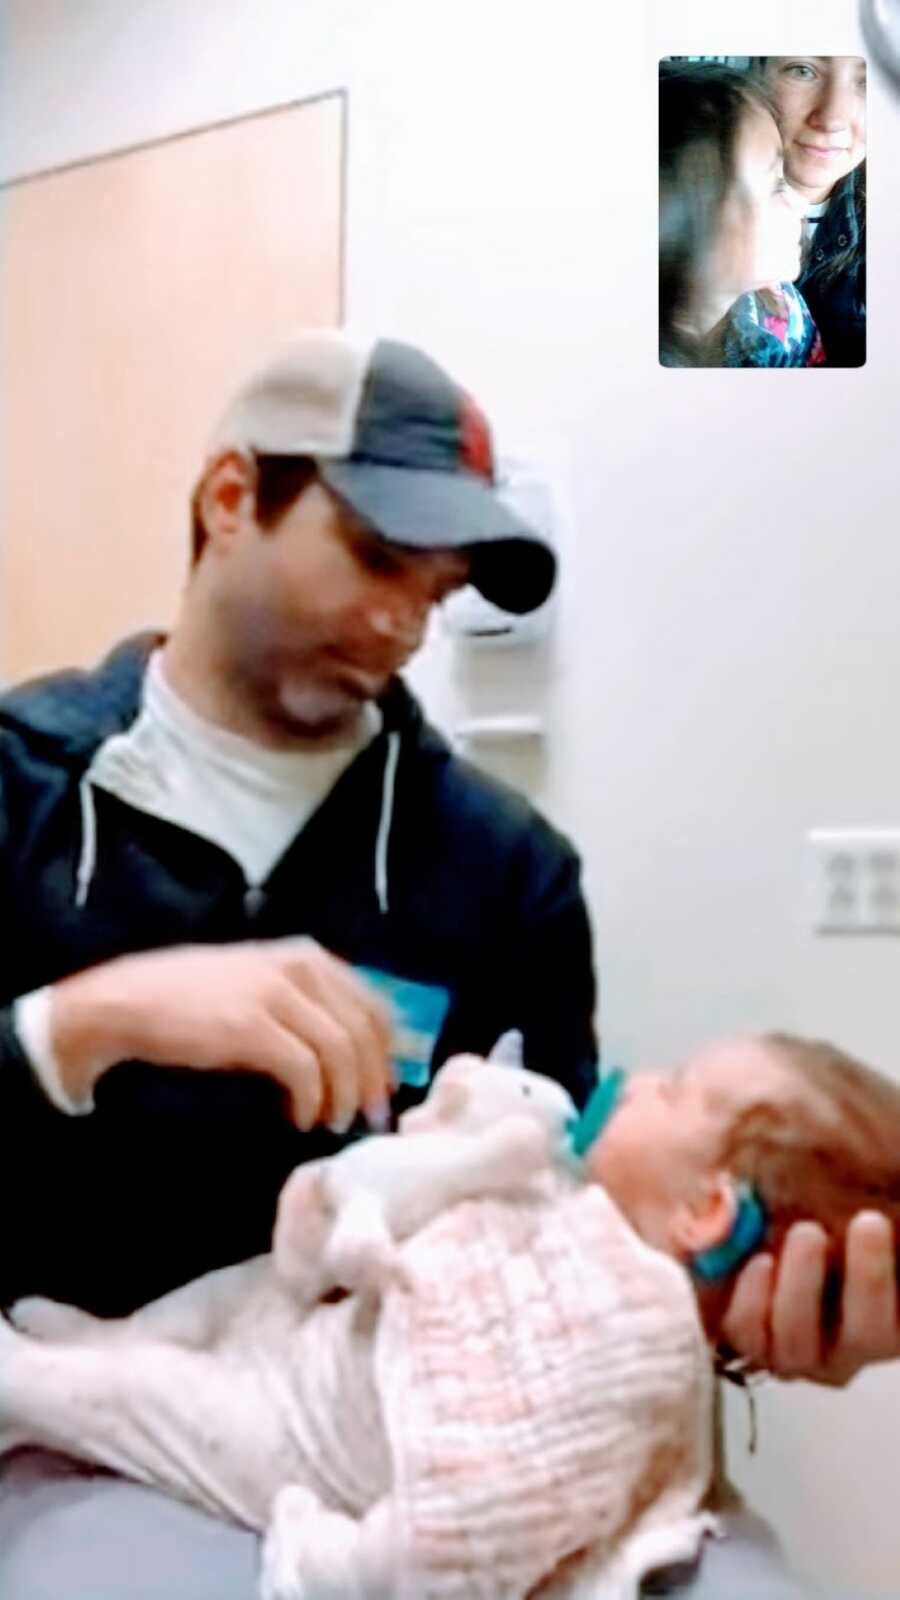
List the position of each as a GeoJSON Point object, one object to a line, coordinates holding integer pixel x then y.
{"type": "Point", "coordinates": [854, 880]}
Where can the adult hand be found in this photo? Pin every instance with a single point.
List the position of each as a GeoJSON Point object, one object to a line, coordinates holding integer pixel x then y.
{"type": "Point", "coordinates": [283, 1007]}
{"type": "Point", "coordinates": [775, 1318]}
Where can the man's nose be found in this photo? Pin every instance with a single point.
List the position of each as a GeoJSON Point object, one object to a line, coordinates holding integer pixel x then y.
{"type": "Point", "coordinates": [401, 618]}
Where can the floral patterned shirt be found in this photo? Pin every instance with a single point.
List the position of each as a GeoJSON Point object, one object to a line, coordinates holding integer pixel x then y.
{"type": "Point", "coordinates": [772, 328]}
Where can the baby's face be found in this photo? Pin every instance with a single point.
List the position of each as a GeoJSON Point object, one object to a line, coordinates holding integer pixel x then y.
{"type": "Point", "coordinates": [667, 1136]}
{"type": "Point", "coordinates": [760, 228]}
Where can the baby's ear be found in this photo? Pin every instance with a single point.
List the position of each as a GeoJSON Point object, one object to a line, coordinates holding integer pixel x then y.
{"type": "Point", "coordinates": [707, 1218]}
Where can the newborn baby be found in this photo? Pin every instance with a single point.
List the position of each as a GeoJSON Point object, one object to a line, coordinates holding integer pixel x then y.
{"type": "Point", "coordinates": [529, 1410]}
{"type": "Point", "coordinates": [752, 1134]}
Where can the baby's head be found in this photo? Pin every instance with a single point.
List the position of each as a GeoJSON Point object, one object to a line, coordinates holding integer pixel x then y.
{"type": "Point", "coordinates": [728, 221]}
{"type": "Point", "coordinates": [815, 1134]}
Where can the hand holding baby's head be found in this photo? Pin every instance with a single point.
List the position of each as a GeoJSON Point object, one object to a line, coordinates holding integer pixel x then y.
{"type": "Point", "coordinates": [812, 1132]}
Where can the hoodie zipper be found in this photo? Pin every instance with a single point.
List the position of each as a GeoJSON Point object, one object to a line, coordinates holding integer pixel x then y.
{"type": "Point", "coordinates": [255, 896]}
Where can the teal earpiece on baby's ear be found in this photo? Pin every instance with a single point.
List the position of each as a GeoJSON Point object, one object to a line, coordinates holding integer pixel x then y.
{"type": "Point", "coordinates": [748, 1230]}
{"type": "Point", "coordinates": [583, 1130]}
{"type": "Point", "coordinates": [747, 1234]}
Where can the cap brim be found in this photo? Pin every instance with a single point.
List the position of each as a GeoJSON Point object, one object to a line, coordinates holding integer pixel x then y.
{"type": "Point", "coordinates": [512, 565]}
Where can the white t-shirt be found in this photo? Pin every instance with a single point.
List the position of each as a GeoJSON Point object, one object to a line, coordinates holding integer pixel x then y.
{"type": "Point", "coordinates": [248, 799]}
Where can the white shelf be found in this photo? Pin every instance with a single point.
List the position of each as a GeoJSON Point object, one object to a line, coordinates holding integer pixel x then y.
{"type": "Point", "coordinates": [500, 729]}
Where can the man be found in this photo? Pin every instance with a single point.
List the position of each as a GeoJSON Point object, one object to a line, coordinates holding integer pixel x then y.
{"type": "Point", "coordinates": [177, 819]}
{"type": "Point", "coordinates": [169, 826]}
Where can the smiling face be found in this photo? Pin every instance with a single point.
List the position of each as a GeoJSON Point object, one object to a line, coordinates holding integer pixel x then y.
{"type": "Point", "coordinates": [660, 1156]}
{"type": "Point", "coordinates": [760, 229]}
{"type": "Point", "coordinates": [821, 103]}
{"type": "Point", "coordinates": [311, 617]}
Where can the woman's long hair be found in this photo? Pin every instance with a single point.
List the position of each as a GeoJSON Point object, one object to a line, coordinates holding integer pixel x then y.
{"type": "Point", "coordinates": [700, 112]}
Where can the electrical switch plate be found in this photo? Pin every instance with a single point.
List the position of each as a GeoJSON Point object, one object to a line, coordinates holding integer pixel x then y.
{"type": "Point", "coordinates": [855, 880]}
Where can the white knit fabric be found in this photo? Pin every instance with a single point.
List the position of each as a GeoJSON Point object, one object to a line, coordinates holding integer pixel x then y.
{"type": "Point", "coordinates": [532, 1418]}
{"type": "Point", "coordinates": [547, 1393]}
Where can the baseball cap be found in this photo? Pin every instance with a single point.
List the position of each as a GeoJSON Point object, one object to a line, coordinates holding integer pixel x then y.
{"type": "Point", "coordinates": [402, 445]}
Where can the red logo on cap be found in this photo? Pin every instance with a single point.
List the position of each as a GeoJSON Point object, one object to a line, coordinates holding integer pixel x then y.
{"type": "Point", "coordinates": [475, 448]}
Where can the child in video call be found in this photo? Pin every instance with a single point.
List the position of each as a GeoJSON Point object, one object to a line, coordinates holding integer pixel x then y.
{"type": "Point", "coordinates": [730, 228]}
{"type": "Point", "coordinates": [537, 1393]}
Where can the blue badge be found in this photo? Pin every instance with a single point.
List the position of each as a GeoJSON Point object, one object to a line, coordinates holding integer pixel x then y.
{"type": "Point", "coordinates": [419, 1011]}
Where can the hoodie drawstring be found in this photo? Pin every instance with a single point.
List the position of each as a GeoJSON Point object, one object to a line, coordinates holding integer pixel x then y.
{"type": "Point", "coordinates": [385, 820]}
{"type": "Point", "coordinates": [88, 858]}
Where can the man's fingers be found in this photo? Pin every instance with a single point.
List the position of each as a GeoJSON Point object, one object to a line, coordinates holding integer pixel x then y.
{"type": "Point", "coordinates": [283, 1056]}
{"type": "Point", "coordinates": [870, 1326]}
{"type": "Point", "coordinates": [308, 964]}
{"type": "Point", "coordinates": [797, 1301]}
{"type": "Point", "coordinates": [346, 997]}
{"type": "Point", "coordinates": [333, 1048]}
{"type": "Point", "coordinates": [870, 1314]}
{"type": "Point", "coordinates": [376, 1079]}
{"type": "Point", "coordinates": [373, 1062]}
{"type": "Point", "coordinates": [361, 996]}
{"type": "Point", "coordinates": [746, 1322]}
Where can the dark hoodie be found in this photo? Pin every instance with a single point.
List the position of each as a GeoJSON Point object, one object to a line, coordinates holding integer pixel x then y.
{"type": "Point", "coordinates": [177, 1172]}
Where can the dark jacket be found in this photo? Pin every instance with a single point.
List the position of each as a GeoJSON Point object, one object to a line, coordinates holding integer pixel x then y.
{"type": "Point", "coordinates": [837, 298]}
{"type": "Point", "coordinates": [177, 1172]}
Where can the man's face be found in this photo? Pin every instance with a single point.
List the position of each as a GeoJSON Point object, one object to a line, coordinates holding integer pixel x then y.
{"type": "Point", "coordinates": [821, 102]}
{"type": "Point", "coordinates": [317, 613]}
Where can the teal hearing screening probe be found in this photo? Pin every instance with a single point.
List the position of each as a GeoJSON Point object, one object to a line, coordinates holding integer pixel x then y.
{"type": "Point", "coordinates": [585, 1129]}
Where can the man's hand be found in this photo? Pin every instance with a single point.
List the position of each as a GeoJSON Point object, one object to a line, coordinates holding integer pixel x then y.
{"type": "Point", "coordinates": [284, 1007]}
{"type": "Point", "coordinates": [775, 1320]}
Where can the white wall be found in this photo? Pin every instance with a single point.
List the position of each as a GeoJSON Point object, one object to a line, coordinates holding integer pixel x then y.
{"type": "Point", "coordinates": [724, 677]}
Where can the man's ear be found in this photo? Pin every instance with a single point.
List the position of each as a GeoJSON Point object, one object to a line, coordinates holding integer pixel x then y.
{"type": "Point", "coordinates": [707, 1218]}
{"type": "Point", "coordinates": [227, 491]}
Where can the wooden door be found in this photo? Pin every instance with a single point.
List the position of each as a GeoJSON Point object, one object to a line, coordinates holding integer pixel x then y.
{"type": "Point", "coordinates": [137, 290]}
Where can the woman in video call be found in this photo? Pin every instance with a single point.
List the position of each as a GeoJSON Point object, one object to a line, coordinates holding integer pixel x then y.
{"type": "Point", "coordinates": [821, 105]}
{"type": "Point", "coordinates": [734, 231]}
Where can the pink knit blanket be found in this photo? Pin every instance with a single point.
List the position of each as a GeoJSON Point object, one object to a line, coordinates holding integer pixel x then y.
{"type": "Point", "coordinates": [547, 1395]}
{"type": "Point", "coordinates": [531, 1416]}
